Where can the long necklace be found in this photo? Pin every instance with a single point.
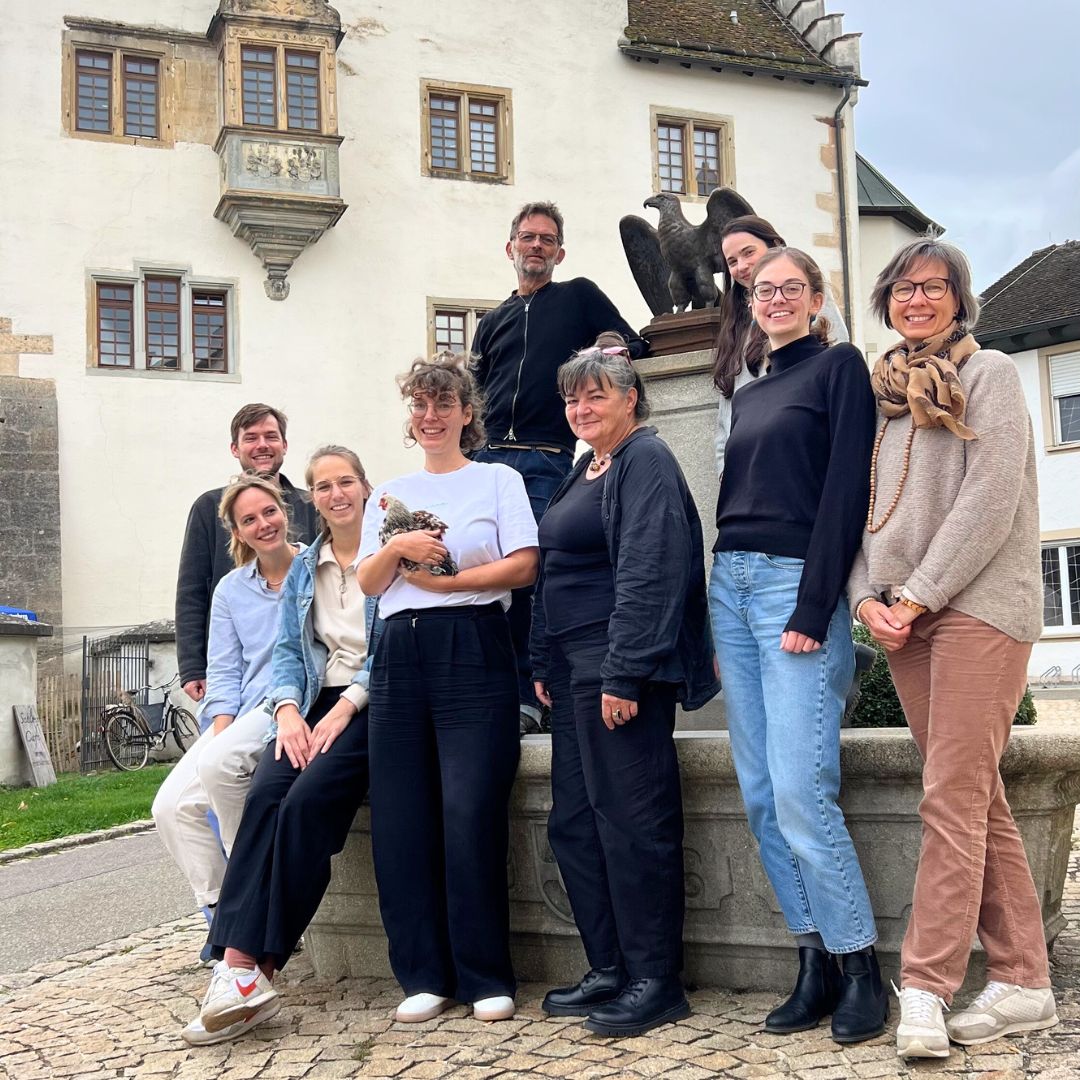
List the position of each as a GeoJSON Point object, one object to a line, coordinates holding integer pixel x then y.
{"type": "Point", "coordinates": [870, 526]}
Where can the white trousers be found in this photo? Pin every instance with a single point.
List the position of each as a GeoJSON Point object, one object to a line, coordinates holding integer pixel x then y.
{"type": "Point", "coordinates": [214, 774]}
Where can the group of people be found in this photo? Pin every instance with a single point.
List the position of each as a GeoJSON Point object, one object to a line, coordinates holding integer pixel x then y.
{"type": "Point", "coordinates": [396, 643]}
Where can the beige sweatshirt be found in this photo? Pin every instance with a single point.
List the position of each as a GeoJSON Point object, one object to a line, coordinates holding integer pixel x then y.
{"type": "Point", "coordinates": [965, 533]}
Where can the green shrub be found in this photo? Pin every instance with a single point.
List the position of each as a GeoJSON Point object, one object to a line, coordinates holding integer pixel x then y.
{"type": "Point", "coordinates": [878, 705]}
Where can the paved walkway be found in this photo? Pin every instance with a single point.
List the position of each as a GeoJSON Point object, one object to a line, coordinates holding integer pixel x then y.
{"type": "Point", "coordinates": [116, 1011]}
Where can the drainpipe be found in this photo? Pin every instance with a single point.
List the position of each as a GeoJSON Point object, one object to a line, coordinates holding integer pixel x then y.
{"type": "Point", "coordinates": [845, 259]}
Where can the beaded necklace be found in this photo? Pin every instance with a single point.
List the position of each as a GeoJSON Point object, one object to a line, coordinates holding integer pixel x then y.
{"type": "Point", "coordinates": [870, 526]}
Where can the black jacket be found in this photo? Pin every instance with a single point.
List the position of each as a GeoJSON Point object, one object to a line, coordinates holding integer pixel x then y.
{"type": "Point", "coordinates": [659, 630]}
{"type": "Point", "coordinates": [519, 346]}
{"type": "Point", "coordinates": [205, 560]}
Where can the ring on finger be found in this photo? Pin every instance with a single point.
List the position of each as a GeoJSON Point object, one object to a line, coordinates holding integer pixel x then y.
{"type": "Point", "coordinates": [617, 714]}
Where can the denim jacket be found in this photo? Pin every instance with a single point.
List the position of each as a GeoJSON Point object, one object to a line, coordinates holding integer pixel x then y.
{"type": "Point", "coordinates": [299, 661]}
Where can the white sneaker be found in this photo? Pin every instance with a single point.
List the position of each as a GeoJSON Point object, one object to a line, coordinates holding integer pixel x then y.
{"type": "Point", "coordinates": [196, 1035]}
{"type": "Point", "coordinates": [421, 1007]}
{"type": "Point", "coordinates": [493, 1008]}
{"type": "Point", "coordinates": [1003, 1009]}
{"type": "Point", "coordinates": [234, 994]}
{"type": "Point", "coordinates": [922, 1025]}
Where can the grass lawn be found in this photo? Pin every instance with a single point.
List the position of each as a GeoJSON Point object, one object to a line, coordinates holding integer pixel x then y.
{"type": "Point", "coordinates": [76, 804]}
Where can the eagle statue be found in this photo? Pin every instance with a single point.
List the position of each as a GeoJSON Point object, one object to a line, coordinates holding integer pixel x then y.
{"type": "Point", "coordinates": [400, 519]}
{"type": "Point", "coordinates": [674, 263]}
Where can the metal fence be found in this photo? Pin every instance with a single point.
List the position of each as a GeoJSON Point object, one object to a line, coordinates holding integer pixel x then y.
{"type": "Point", "coordinates": [59, 701]}
{"type": "Point", "coordinates": [110, 666]}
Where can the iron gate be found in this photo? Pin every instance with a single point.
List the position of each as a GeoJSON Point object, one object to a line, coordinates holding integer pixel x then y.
{"type": "Point", "coordinates": [109, 666]}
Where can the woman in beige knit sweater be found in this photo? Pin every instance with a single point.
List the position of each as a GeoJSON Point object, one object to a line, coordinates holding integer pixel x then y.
{"type": "Point", "coordinates": [948, 581]}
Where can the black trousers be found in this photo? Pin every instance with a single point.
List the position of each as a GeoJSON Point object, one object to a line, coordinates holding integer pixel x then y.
{"type": "Point", "coordinates": [616, 824]}
{"type": "Point", "coordinates": [294, 822]}
{"type": "Point", "coordinates": [444, 751]}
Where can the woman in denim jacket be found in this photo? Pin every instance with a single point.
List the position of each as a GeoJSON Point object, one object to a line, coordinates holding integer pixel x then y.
{"type": "Point", "coordinates": [305, 794]}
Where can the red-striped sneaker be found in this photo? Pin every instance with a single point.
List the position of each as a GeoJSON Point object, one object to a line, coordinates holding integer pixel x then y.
{"type": "Point", "coordinates": [234, 994]}
{"type": "Point", "coordinates": [197, 1035]}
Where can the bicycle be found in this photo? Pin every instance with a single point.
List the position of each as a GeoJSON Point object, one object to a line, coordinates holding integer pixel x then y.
{"type": "Point", "coordinates": [130, 731]}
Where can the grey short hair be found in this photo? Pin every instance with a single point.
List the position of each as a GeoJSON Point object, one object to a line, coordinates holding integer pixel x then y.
{"type": "Point", "coordinates": [546, 209]}
{"type": "Point", "coordinates": [900, 265]}
{"type": "Point", "coordinates": [590, 366]}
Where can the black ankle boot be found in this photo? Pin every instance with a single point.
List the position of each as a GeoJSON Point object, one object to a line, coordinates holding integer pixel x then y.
{"type": "Point", "coordinates": [817, 990]}
{"type": "Point", "coordinates": [642, 1005]}
{"type": "Point", "coordinates": [864, 1005]}
{"type": "Point", "coordinates": [599, 986]}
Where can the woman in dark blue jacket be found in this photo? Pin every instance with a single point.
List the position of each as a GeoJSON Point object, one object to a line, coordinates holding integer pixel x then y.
{"type": "Point", "coordinates": [620, 634]}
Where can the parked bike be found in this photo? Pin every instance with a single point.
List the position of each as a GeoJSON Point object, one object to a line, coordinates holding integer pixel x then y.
{"type": "Point", "coordinates": [130, 731]}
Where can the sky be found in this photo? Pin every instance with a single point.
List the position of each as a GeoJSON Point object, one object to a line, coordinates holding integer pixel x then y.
{"type": "Point", "coordinates": [973, 112]}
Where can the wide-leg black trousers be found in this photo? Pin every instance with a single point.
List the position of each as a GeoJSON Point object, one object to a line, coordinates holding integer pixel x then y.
{"type": "Point", "coordinates": [294, 822]}
{"type": "Point", "coordinates": [444, 751]}
{"type": "Point", "coordinates": [616, 823]}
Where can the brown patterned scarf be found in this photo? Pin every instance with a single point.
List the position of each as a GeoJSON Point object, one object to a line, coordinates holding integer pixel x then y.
{"type": "Point", "coordinates": [925, 381]}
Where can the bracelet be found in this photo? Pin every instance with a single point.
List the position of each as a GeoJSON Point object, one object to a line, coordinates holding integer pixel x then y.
{"type": "Point", "coordinates": [859, 606]}
{"type": "Point", "coordinates": [919, 609]}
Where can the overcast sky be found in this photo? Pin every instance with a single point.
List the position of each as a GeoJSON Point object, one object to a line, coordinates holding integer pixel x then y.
{"type": "Point", "coordinates": [973, 112]}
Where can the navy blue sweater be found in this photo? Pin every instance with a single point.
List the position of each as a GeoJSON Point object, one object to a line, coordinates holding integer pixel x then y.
{"type": "Point", "coordinates": [520, 346]}
{"type": "Point", "coordinates": [797, 470]}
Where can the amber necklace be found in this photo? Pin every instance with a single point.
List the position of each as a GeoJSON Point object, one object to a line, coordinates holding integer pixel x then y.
{"type": "Point", "coordinates": [870, 526]}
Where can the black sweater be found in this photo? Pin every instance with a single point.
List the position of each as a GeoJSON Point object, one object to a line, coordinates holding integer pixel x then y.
{"type": "Point", "coordinates": [522, 343]}
{"type": "Point", "coordinates": [797, 470]}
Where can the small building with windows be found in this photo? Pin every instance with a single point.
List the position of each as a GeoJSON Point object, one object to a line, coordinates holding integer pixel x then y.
{"type": "Point", "coordinates": [1033, 314]}
{"type": "Point", "coordinates": [213, 202]}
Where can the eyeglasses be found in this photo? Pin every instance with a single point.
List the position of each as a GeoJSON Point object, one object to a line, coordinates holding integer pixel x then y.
{"type": "Point", "coordinates": [546, 239]}
{"type": "Point", "coordinates": [932, 288]}
{"type": "Point", "coordinates": [789, 290]}
{"type": "Point", "coordinates": [346, 485]}
{"type": "Point", "coordinates": [443, 406]}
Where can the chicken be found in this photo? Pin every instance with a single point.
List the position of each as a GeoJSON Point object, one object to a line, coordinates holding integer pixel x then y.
{"type": "Point", "coordinates": [400, 519]}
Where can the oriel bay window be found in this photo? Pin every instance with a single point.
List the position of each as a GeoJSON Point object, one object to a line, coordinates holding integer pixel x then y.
{"type": "Point", "coordinates": [265, 68]}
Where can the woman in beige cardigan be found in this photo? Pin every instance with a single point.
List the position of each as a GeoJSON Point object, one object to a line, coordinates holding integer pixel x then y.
{"type": "Point", "coordinates": [948, 581]}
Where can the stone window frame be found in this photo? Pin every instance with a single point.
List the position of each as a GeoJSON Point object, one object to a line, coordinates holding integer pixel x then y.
{"type": "Point", "coordinates": [118, 45]}
{"type": "Point", "coordinates": [472, 310]}
{"type": "Point", "coordinates": [1050, 415]}
{"type": "Point", "coordinates": [504, 126]}
{"type": "Point", "coordinates": [189, 285]}
{"type": "Point", "coordinates": [688, 120]}
{"type": "Point", "coordinates": [1059, 542]}
{"type": "Point", "coordinates": [238, 38]}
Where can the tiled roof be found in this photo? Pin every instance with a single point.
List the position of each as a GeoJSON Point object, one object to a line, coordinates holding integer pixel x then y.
{"type": "Point", "coordinates": [1044, 288]}
{"type": "Point", "coordinates": [760, 39]}
{"type": "Point", "coordinates": [877, 196]}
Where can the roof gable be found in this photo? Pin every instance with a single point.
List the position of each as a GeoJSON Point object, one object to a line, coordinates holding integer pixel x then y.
{"type": "Point", "coordinates": [1042, 290]}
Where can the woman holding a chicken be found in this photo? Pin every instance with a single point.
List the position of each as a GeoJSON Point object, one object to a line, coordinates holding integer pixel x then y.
{"type": "Point", "coordinates": [443, 547]}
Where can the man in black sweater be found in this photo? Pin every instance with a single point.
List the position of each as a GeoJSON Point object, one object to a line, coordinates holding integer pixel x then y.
{"type": "Point", "coordinates": [517, 350]}
{"type": "Point", "coordinates": [258, 443]}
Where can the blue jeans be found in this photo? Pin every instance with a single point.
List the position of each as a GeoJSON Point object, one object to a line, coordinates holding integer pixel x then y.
{"type": "Point", "coordinates": [784, 712]}
{"type": "Point", "coordinates": [542, 472]}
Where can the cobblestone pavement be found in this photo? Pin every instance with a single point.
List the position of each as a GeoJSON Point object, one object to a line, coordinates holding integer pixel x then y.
{"type": "Point", "coordinates": [116, 1011]}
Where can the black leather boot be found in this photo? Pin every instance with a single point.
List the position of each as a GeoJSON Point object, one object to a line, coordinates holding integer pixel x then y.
{"type": "Point", "coordinates": [864, 1005]}
{"type": "Point", "coordinates": [642, 1005]}
{"type": "Point", "coordinates": [817, 990]}
{"type": "Point", "coordinates": [599, 986]}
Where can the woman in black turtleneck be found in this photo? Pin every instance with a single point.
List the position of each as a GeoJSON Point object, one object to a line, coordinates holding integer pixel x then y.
{"type": "Point", "coordinates": [789, 517]}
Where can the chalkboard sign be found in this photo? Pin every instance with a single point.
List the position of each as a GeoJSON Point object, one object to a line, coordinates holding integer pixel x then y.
{"type": "Point", "coordinates": [37, 749]}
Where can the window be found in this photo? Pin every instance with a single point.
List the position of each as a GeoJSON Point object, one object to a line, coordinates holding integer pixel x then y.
{"type": "Point", "coordinates": [452, 323]}
{"type": "Point", "coordinates": [159, 321]}
{"type": "Point", "coordinates": [1061, 585]}
{"type": "Point", "coordinates": [104, 76]}
{"type": "Point", "coordinates": [692, 155]}
{"type": "Point", "coordinates": [1064, 377]}
{"type": "Point", "coordinates": [263, 68]}
{"type": "Point", "coordinates": [466, 132]}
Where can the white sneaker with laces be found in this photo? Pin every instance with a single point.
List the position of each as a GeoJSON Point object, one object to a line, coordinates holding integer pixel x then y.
{"type": "Point", "coordinates": [1003, 1009]}
{"type": "Point", "coordinates": [420, 1007]}
{"type": "Point", "coordinates": [197, 1035]}
{"type": "Point", "coordinates": [921, 1032]}
{"type": "Point", "coordinates": [234, 994]}
{"type": "Point", "coordinates": [494, 1008]}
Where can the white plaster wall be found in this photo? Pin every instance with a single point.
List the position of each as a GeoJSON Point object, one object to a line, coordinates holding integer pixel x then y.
{"type": "Point", "coordinates": [18, 686]}
{"type": "Point", "coordinates": [135, 451]}
{"type": "Point", "coordinates": [879, 240]}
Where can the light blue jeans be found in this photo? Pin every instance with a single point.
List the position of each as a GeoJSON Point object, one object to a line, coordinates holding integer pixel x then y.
{"type": "Point", "coordinates": [784, 712]}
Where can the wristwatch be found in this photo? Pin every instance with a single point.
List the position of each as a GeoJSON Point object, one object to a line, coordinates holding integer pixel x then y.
{"type": "Point", "coordinates": [919, 609]}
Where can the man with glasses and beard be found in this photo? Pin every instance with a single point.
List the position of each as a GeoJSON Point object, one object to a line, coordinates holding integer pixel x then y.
{"type": "Point", "coordinates": [517, 349]}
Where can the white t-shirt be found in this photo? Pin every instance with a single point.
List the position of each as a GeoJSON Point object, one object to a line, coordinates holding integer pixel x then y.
{"type": "Point", "coordinates": [487, 514]}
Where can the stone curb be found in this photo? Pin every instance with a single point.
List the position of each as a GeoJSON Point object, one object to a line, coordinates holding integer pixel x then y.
{"type": "Point", "coordinates": [47, 847]}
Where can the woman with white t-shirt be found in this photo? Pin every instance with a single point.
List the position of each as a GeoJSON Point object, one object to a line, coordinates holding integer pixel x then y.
{"type": "Point", "coordinates": [443, 728]}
